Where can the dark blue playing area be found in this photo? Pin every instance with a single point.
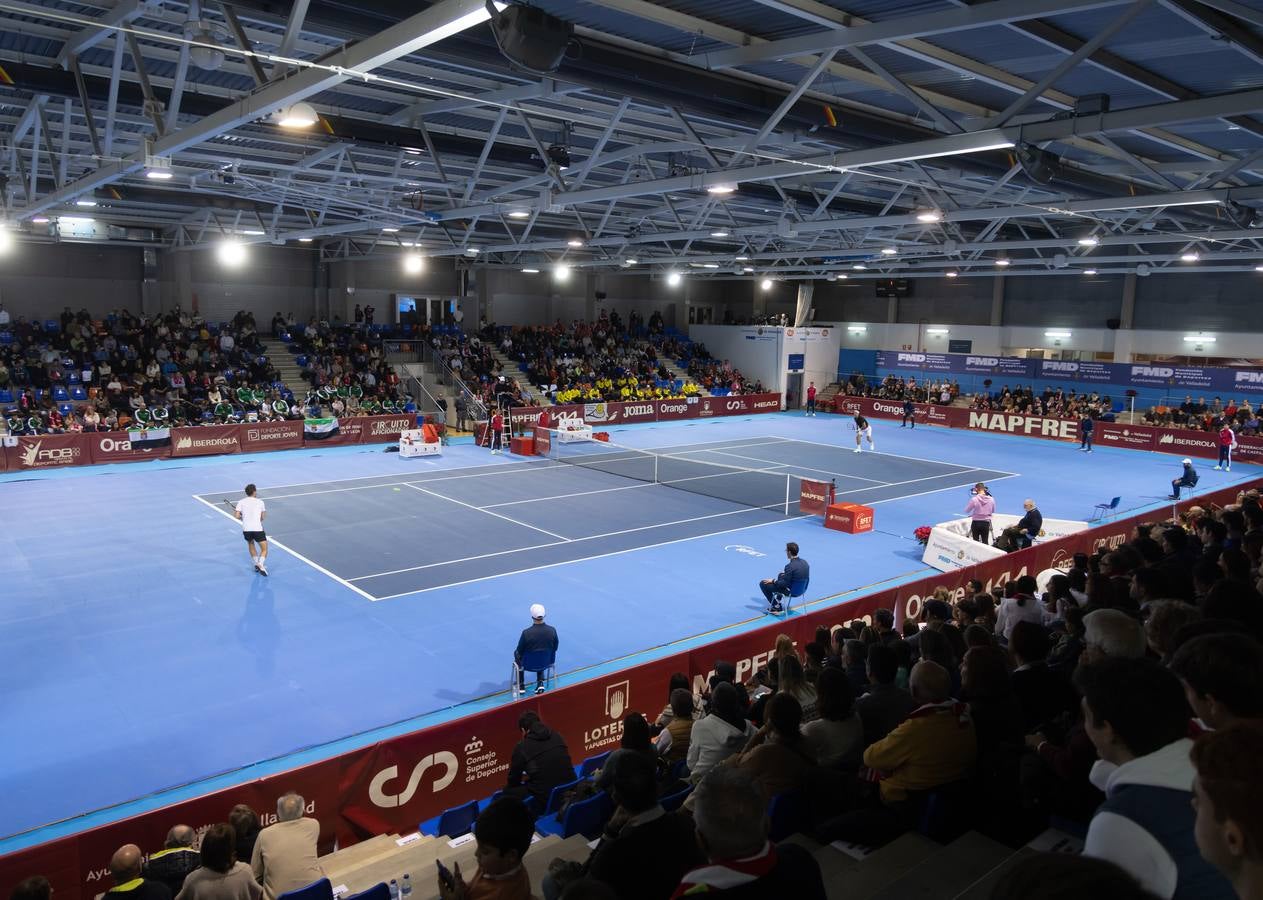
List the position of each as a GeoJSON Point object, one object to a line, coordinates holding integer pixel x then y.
{"type": "Point", "coordinates": [140, 652]}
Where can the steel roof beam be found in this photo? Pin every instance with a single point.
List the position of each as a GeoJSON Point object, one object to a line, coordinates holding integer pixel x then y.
{"type": "Point", "coordinates": [997, 12]}
{"type": "Point", "coordinates": [356, 61]}
{"type": "Point", "coordinates": [125, 12]}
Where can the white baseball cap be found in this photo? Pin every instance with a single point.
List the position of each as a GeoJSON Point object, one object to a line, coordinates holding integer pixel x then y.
{"type": "Point", "coordinates": [537, 610]}
{"type": "Point", "coordinates": [1187, 461]}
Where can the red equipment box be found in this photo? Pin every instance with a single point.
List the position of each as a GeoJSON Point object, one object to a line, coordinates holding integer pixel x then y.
{"type": "Point", "coordinates": [849, 517]}
{"type": "Point", "coordinates": [523, 446]}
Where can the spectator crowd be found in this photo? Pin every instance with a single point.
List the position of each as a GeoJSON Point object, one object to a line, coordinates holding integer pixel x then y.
{"type": "Point", "coordinates": [1199, 415]}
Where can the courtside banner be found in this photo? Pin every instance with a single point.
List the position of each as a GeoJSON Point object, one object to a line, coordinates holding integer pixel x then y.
{"type": "Point", "coordinates": [1184, 442]}
{"type": "Point", "coordinates": [49, 451]}
{"type": "Point", "coordinates": [675, 410]}
{"type": "Point", "coordinates": [1133, 437]}
{"type": "Point", "coordinates": [379, 429]}
{"type": "Point", "coordinates": [1249, 449]}
{"type": "Point", "coordinates": [262, 436]}
{"type": "Point", "coordinates": [813, 497]}
{"type": "Point", "coordinates": [4, 458]}
{"type": "Point", "coordinates": [347, 431]}
{"type": "Point", "coordinates": [205, 440]}
{"type": "Point", "coordinates": [117, 446]}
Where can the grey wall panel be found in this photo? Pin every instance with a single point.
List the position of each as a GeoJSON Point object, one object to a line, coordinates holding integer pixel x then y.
{"type": "Point", "coordinates": [1215, 301]}
{"type": "Point", "coordinates": [960, 301]}
{"type": "Point", "coordinates": [1083, 301]}
{"type": "Point", "coordinates": [38, 280]}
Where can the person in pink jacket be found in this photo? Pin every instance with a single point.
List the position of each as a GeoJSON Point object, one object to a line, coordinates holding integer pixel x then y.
{"type": "Point", "coordinates": [980, 508]}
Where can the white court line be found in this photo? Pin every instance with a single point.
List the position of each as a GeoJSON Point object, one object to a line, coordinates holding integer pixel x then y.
{"type": "Point", "coordinates": [762, 442]}
{"type": "Point", "coordinates": [567, 562]}
{"type": "Point", "coordinates": [897, 456]}
{"type": "Point", "coordinates": [926, 478]}
{"type": "Point", "coordinates": [294, 553]}
{"type": "Point", "coordinates": [362, 487]}
{"type": "Point", "coordinates": [560, 537]}
{"type": "Point", "coordinates": [953, 487]}
{"type": "Point", "coordinates": [510, 467]}
{"type": "Point", "coordinates": [630, 487]}
{"type": "Point", "coordinates": [593, 537]}
{"type": "Point", "coordinates": [792, 465]}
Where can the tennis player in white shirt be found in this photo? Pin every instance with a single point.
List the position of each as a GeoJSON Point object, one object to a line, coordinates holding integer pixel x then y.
{"type": "Point", "coordinates": [251, 512]}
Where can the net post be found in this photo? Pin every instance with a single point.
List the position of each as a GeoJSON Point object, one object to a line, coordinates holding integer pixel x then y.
{"type": "Point", "coordinates": [787, 480]}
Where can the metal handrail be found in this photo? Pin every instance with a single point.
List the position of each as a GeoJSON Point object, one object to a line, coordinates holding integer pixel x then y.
{"type": "Point", "coordinates": [477, 409]}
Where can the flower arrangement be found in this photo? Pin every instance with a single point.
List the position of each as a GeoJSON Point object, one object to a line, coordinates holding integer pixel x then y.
{"type": "Point", "coordinates": [922, 534]}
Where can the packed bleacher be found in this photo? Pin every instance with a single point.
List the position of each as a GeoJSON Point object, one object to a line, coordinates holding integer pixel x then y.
{"type": "Point", "coordinates": [609, 360]}
{"type": "Point", "coordinates": [1090, 706]}
{"type": "Point", "coordinates": [1200, 415]}
{"type": "Point", "coordinates": [1053, 403]}
{"type": "Point", "coordinates": [894, 388]}
{"type": "Point", "coordinates": [346, 367]}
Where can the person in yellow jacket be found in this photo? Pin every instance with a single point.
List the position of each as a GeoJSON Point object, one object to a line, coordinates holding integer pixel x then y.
{"type": "Point", "coordinates": [934, 746]}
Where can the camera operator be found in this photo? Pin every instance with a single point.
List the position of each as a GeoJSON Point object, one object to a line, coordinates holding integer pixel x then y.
{"type": "Point", "coordinates": [981, 508]}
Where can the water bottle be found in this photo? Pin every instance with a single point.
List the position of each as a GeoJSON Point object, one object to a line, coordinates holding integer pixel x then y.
{"type": "Point", "coordinates": [394, 889]}
{"type": "Point", "coordinates": [407, 887]}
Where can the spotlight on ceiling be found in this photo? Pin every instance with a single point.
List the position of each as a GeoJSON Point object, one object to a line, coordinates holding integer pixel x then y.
{"type": "Point", "coordinates": [929, 216]}
{"type": "Point", "coordinates": [530, 271]}
{"type": "Point", "coordinates": [674, 279]}
{"type": "Point", "coordinates": [1004, 261]}
{"type": "Point", "coordinates": [888, 251]}
{"type": "Point", "coordinates": [231, 253]}
{"type": "Point", "coordinates": [630, 261]}
{"type": "Point", "coordinates": [561, 274]}
{"type": "Point", "coordinates": [1089, 240]}
{"type": "Point", "coordinates": [766, 284]}
{"type": "Point", "coordinates": [719, 234]}
{"type": "Point", "coordinates": [531, 39]}
{"type": "Point", "coordinates": [1089, 271]}
{"type": "Point", "coordinates": [472, 251]}
{"type": "Point", "coordinates": [205, 52]}
{"type": "Point", "coordinates": [299, 115]}
{"type": "Point", "coordinates": [1190, 256]}
{"type": "Point", "coordinates": [859, 267]}
{"type": "Point", "coordinates": [413, 263]}
{"type": "Point", "coordinates": [951, 273]}
{"type": "Point", "coordinates": [559, 155]}
{"type": "Point", "coordinates": [519, 213]}
{"type": "Point", "coordinates": [575, 242]}
{"type": "Point", "coordinates": [721, 189]}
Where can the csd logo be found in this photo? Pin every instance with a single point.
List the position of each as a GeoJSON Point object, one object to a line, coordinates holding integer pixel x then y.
{"type": "Point", "coordinates": [376, 791]}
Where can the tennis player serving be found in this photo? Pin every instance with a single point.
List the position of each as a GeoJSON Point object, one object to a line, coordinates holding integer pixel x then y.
{"type": "Point", "coordinates": [863, 430]}
{"type": "Point", "coordinates": [250, 512]}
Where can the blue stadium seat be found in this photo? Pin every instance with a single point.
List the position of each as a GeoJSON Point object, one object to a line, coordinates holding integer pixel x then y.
{"type": "Point", "coordinates": [286, 337]}
{"type": "Point", "coordinates": [40, 394]}
{"type": "Point", "coordinates": [378, 891]}
{"type": "Point", "coordinates": [555, 795]}
{"type": "Point", "coordinates": [52, 326]}
{"type": "Point", "coordinates": [60, 394]}
{"type": "Point", "coordinates": [300, 361]}
{"type": "Point", "coordinates": [77, 394]}
{"type": "Point", "coordinates": [591, 764]}
{"type": "Point", "coordinates": [787, 813]}
{"type": "Point", "coordinates": [6, 395]}
{"type": "Point", "coordinates": [317, 890]}
{"type": "Point", "coordinates": [452, 822]}
{"type": "Point", "coordinates": [65, 408]}
{"type": "Point", "coordinates": [587, 817]}
{"type": "Point", "coordinates": [6, 337]}
{"type": "Point", "coordinates": [674, 801]}
{"type": "Point", "coordinates": [72, 377]}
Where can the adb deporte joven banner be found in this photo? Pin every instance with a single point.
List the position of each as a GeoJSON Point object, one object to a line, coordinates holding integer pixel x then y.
{"type": "Point", "coordinates": [1194, 379]}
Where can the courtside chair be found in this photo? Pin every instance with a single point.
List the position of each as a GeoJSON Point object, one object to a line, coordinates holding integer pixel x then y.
{"type": "Point", "coordinates": [317, 890]}
{"type": "Point", "coordinates": [452, 822]}
{"type": "Point", "coordinates": [797, 589]}
{"type": "Point", "coordinates": [60, 394]}
{"type": "Point", "coordinates": [592, 764]}
{"type": "Point", "coordinates": [6, 395]}
{"type": "Point", "coordinates": [378, 891]}
{"type": "Point", "coordinates": [1104, 509]}
{"type": "Point", "coordinates": [536, 661]}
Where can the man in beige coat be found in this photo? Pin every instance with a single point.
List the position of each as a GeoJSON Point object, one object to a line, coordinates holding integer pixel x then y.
{"type": "Point", "coordinates": [285, 853]}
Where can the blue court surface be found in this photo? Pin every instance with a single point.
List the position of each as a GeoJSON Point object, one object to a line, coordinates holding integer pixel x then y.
{"type": "Point", "coordinates": [139, 651]}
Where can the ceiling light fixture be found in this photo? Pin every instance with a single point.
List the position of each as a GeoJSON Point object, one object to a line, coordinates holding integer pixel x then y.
{"type": "Point", "coordinates": [1199, 338]}
{"type": "Point", "coordinates": [389, 229]}
{"type": "Point", "coordinates": [1089, 271]}
{"type": "Point", "coordinates": [413, 263]}
{"type": "Point", "coordinates": [472, 251]}
{"type": "Point", "coordinates": [574, 242]}
{"type": "Point", "coordinates": [43, 220]}
{"type": "Point", "coordinates": [529, 271]}
{"type": "Point", "coordinates": [159, 174]}
{"type": "Point", "coordinates": [561, 273]}
{"type": "Point", "coordinates": [1002, 261]}
{"type": "Point", "coordinates": [937, 331]}
{"type": "Point", "coordinates": [85, 203]}
{"type": "Point", "coordinates": [1089, 240]}
{"type": "Point", "coordinates": [630, 261]}
{"type": "Point", "coordinates": [519, 213]}
{"type": "Point", "coordinates": [1256, 268]}
{"type": "Point", "coordinates": [741, 258]}
{"type": "Point", "coordinates": [766, 284]}
{"type": "Point", "coordinates": [231, 253]}
{"type": "Point", "coordinates": [1191, 256]}
{"type": "Point", "coordinates": [305, 240]}
{"type": "Point", "coordinates": [719, 234]}
{"type": "Point", "coordinates": [710, 265]}
{"type": "Point", "coordinates": [951, 273]}
{"type": "Point", "coordinates": [747, 269]}
{"type": "Point", "coordinates": [674, 279]}
{"type": "Point", "coordinates": [859, 267]}
{"type": "Point", "coordinates": [721, 189]}
{"type": "Point", "coordinates": [299, 115]}
{"type": "Point", "coordinates": [888, 251]}
{"type": "Point", "coordinates": [929, 215]}
{"type": "Point", "coordinates": [1059, 335]}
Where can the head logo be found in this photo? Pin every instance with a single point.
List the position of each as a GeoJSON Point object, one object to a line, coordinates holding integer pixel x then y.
{"type": "Point", "coordinates": [617, 699]}
{"type": "Point", "coordinates": [376, 788]}
{"type": "Point", "coordinates": [744, 550]}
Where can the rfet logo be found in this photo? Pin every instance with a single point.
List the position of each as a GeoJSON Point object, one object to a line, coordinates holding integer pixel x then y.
{"type": "Point", "coordinates": [377, 787]}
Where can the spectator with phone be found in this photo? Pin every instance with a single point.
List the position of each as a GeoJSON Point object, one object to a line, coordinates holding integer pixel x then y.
{"type": "Point", "coordinates": [503, 832]}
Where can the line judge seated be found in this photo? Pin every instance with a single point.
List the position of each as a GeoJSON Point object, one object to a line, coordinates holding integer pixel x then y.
{"type": "Point", "coordinates": [537, 645]}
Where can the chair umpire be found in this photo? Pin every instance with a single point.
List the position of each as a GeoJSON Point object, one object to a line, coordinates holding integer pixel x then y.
{"type": "Point", "coordinates": [536, 650]}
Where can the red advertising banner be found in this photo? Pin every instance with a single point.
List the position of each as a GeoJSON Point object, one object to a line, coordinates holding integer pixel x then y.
{"type": "Point", "coordinates": [4, 458]}
{"type": "Point", "coordinates": [814, 497]}
{"type": "Point", "coordinates": [205, 440]}
{"type": "Point", "coordinates": [117, 446]}
{"type": "Point", "coordinates": [262, 436]}
{"type": "Point", "coordinates": [1184, 442]}
{"type": "Point", "coordinates": [675, 410]}
{"type": "Point", "coordinates": [379, 429]}
{"type": "Point", "coordinates": [49, 451]}
{"type": "Point", "coordinates": [1249, 449]}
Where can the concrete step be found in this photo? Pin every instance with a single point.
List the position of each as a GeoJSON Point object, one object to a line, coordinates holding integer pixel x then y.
{"type": "Point", "coordinates": [948, 871]}
{"type": "Point", "coordinates": [881, 867]}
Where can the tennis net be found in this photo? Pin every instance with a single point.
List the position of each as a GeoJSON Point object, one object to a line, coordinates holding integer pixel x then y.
{"type": "Point", "coordinates": [755, 488]}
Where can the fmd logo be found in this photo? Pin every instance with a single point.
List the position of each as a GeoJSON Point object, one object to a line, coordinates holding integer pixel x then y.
{"type": "Point", "coordinates": [989, 361]}
{"type": "Point", "coordinates": [1152, 371]}
{"type": "Point", "coordinates": [1055, 366]}
{"type": "Point", "coordinates": [912, 358]}
{"type": "Point", "coordinates": [1249, 378]}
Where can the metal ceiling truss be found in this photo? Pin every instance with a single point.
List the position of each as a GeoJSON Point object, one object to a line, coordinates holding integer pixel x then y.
{"type": "Point", "coordinates": [446, 143]}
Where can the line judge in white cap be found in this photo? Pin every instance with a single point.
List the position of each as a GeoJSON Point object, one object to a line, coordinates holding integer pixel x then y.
{"type": "Point", "coordinates": [538, 642]}
{"type": "Point", "coordinates": [1188, 479]}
